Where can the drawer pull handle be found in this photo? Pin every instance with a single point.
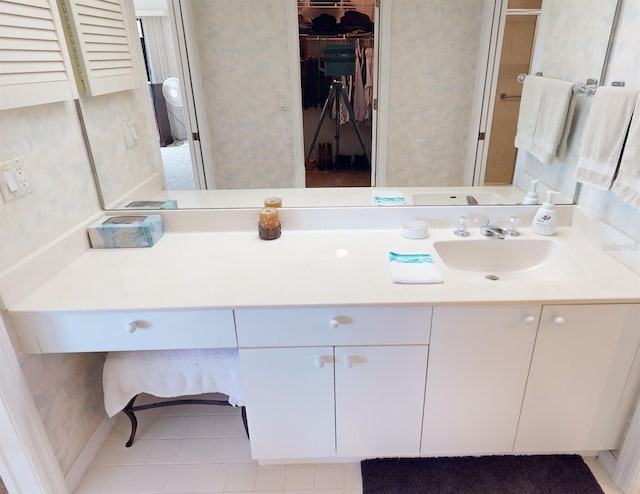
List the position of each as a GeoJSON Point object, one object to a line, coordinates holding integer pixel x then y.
{"type": "Point", "coordinates": [348, 362]}
{"type": "Point", "coordinates": [528, 319]}
{"type": "Point", "coordinates": [319, 361]}
{"type": "Point", "coordinates": [334, 323]}
{"type": "Point", "coordinates": [132, 326]}
{"type": "Point", "coordinates": [558, 320]}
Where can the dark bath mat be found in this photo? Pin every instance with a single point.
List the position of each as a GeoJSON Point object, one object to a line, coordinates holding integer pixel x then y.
{"type": "Point", "coordinates": [536, 474]}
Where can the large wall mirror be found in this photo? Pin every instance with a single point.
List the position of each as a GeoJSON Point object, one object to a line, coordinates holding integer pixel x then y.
{"type": "Point", "coordinates": [229, 108]}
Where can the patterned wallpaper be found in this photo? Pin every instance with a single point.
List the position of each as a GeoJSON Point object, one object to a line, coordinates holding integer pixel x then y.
{"type": "Point", "coordinates": [66, 388]}
{"type": "Point", "coordinates": [434, 51]}
{"type": "Point", "coordinates": [244, 62]}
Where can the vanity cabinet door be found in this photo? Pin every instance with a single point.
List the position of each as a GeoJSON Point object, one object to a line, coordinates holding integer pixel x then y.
{"type": "Point", "coordinates": [289, 401]}
{"type": "Point", "coordinates": [379, 399]}
{"type": "Point", "coordinates": [580, 368]}
{"type": "Point", "coordinates": [478, 363]}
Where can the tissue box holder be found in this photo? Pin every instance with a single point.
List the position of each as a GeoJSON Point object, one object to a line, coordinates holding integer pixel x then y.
{"type": "Point", "coordinates": [126, 231]}
{"type": "Point", "coordinates": [168, 204]}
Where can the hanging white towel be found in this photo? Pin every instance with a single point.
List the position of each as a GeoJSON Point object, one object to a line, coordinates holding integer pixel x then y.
{"type": "Point", "coordinates": [604, 135]}
{"type": "Point", "coordinates": [545, 117]}
{"type": "Point", "coordinates": [554, 121]}
{"type": "Point", "coordinates": [170, 373]}
{"type": "Point", "coordinates": [627, 182]}
{"type": "Point", "coordinates": [530, 101]}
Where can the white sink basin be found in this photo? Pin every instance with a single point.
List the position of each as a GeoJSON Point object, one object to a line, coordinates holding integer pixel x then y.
{"type": "Point", "coordinates": [536, 259]}
{"type": "Point", "coordinates": [458, 198]}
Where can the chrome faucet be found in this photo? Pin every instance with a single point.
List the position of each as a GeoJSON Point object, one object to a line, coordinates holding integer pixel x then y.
{"type": "Point", "coordinates": [491, 230]}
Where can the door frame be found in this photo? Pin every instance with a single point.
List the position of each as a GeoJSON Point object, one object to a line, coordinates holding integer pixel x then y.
{"type": "Point", "coordinates": [494, 23]}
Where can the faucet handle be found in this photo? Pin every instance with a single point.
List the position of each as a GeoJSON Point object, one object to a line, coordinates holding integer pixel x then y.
{"type": "Point", "coordinates": [514, 223]}
{"type": "Point", "coordinates": [463, 227]}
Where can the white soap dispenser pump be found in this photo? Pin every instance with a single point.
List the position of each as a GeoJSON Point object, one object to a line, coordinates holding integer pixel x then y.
{"type": "Point", "coordinates": [544, 221]}
{"type": "Point", "coordinates": [532, 195]}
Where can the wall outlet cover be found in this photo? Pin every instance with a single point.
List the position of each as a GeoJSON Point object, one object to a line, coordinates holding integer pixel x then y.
{"type": "Point", "coordinates": [13, 179]}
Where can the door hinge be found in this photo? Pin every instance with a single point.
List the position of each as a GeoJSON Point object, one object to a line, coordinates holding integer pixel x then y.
{"type": "Point", "coordinates": [195, 136]}
{"type": "Point", "coordinates": [378, 3]}
{"type": "Point", "coordinates": [481, 136]}
{"type": "Point", "coordinates": [375, 104]}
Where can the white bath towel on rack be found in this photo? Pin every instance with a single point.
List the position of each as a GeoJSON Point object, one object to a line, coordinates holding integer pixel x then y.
{"type": "Point", "coordinates": [544, 121]}
{"type": "Point", "coordinates": [170, 373]}
{"type": "Point", "coordinates": [627, 182]}
{"type": "Point", "coordinates": [604, 135]}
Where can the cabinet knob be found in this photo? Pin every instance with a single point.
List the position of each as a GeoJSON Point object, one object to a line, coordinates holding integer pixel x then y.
{"type": "Point", "coordinates": [334, 323]}
{"type": "Point", "coordinates": [528, 319]}
{"type": "Point", "coordinates": [347, 362]}
{"type": "Point", "coordinates": [319, 361]}
{"type": "Point", "coordinates": [558, 320]}
{"type": "Point", "coordinates": [131, 327]}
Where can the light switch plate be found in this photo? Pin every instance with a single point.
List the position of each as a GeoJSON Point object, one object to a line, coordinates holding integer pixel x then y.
{"type": "Point", "coordinates": [13, 179]}
{"type": "Point", "coordinates": [130, 134]}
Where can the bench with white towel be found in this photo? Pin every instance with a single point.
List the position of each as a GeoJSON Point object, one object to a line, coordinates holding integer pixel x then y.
{"type": "Point", "coordinates": [170, 374]}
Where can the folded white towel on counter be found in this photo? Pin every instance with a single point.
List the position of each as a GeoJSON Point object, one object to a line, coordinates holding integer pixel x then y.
{"type": "Point", "coordinates": [413, 268]}
{"type": "Point", "coordinates": [604, 135]}
{"type": "Point", "coordinates": [545, 116]}
{"type": "Point", "coordinates": [170, 373]}
{"type": "Point", "coordinates": [387, 198]}
{"type": "Point", "coordinates": [627, 182]}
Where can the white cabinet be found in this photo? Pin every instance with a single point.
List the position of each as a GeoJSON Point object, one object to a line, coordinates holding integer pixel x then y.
{"type": "Point", "coordinates": [314, 387]}
{"type": "Point", "coordinates": [289, 400]}
{"type": "Point", "coordinates": [579, 374]}
{"type": "Point", "coordinates": [379, 396]}
{"type": "Point", "coordinates": [478, 363]}
{"type": "Point", "coordinates": [104, 331]}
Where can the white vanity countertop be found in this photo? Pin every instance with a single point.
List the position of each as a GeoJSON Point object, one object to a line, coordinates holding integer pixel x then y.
{"type": "Point", "coordinates": [236, 269]}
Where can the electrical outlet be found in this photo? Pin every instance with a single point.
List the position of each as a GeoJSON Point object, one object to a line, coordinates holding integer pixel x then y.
{"type": "Point", "coordinates": [13, 180]}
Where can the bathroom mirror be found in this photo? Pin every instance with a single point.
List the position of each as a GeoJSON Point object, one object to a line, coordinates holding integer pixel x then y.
{"type": "Point", "coordinates": [248, 83]}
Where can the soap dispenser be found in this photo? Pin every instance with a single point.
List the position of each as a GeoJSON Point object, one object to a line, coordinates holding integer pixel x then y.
{"type": "Point", "coordinates": [532, 195]}
{"type": "Point", "coordinates": [544, 221]}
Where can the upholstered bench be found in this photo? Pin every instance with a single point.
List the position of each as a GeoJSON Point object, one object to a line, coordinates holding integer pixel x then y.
{"type": "Point", "coordinates": [170, 374]}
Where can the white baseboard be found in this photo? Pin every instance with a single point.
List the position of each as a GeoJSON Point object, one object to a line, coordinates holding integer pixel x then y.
{"type": "Point", "coordinates": [79, 467]}
{"type": "Point", "coordinates": [608, 461]}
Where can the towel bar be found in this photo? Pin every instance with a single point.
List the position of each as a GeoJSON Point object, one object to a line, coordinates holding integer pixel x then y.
{"type": "Point", "coordinates": [130, 410]}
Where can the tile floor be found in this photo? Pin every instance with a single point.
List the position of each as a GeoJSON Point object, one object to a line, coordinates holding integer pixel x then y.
{"type": "Point", "coordinates": [204, 449]}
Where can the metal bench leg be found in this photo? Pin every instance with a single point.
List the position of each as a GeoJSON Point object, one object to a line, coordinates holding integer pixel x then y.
{"type": "Point", "coordinates": [243, 411]}
{"type": "Point", "coordinates": [128, 410]}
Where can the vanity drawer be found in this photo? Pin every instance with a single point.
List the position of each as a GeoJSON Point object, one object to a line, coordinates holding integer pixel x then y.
{"type": "Point", "coordinates": [98, 331]}
{"type": "Point", "coordinates": [333, 326]}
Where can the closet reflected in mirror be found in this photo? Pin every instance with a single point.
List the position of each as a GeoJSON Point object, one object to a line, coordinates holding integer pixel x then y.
{"type": "Point", "coordinates": [337, 66]}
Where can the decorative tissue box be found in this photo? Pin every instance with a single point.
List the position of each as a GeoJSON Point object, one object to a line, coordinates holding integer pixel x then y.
{"type": "Point", "coordinates": [126, 231]}
{"type": "Point", "coordinates": [168, 204]}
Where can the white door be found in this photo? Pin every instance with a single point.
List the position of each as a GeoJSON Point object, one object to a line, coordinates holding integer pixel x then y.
{"type": "Point", "coordinates": [581, 363]}
{"type": "Point", "coordinates": [478, 363]}
{"type": "Point", "coordinates": [289, 401]}
{"type": "Point", "coordinates": [379, 399]}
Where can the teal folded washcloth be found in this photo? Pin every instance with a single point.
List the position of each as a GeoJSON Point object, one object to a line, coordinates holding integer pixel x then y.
{"type": "Point", "coordinates": [413, 268]}
{"type": "Point", "coordinates": [387, 198]}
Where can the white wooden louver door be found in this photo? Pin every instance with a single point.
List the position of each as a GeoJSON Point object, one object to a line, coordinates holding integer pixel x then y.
{"type": "Point", "coordinates": [34, 65]}
{"type": "Point", "coordinates": [101, 45]}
